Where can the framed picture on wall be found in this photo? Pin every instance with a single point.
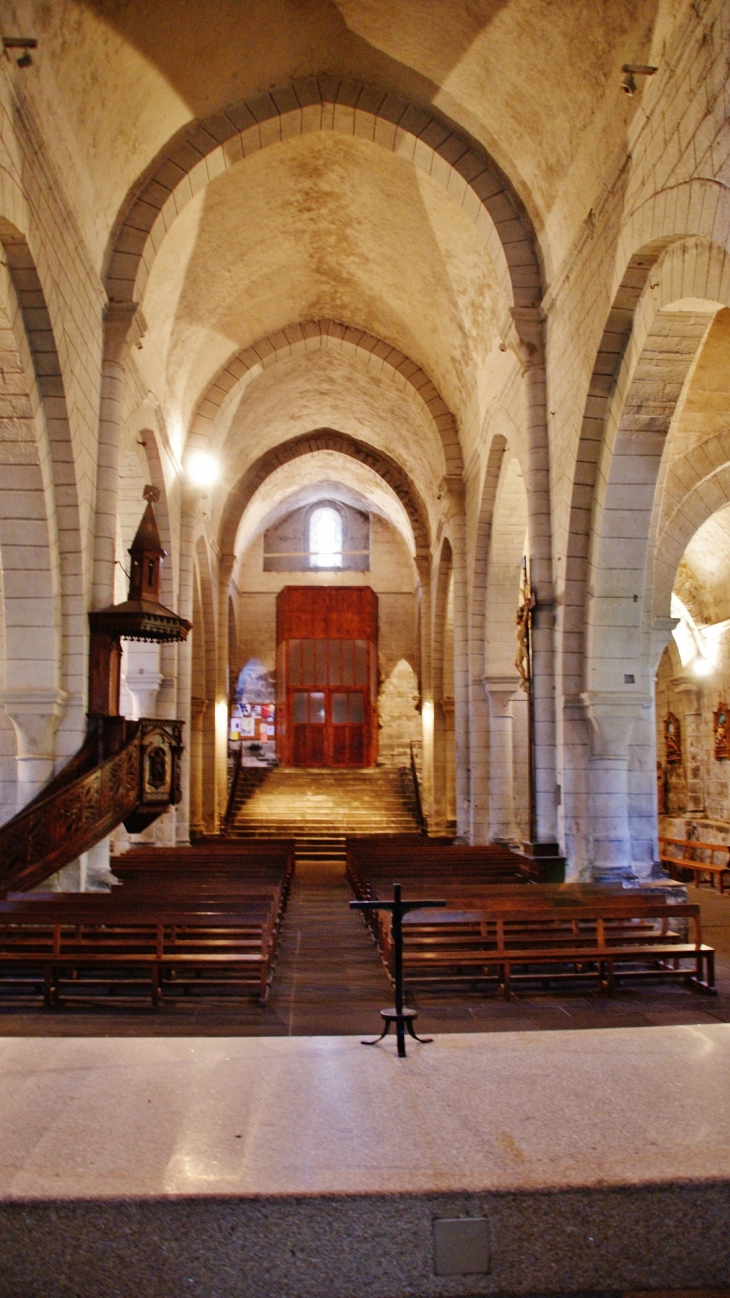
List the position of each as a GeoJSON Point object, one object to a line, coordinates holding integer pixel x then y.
{"type": "Point", "coordinates": [672, 740]}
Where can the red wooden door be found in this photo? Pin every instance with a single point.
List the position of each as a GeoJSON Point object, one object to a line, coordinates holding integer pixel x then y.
{"type": "Point", "coordinates": [327, 657]}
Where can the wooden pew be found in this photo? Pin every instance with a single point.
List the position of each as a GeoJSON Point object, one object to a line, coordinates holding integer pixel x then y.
{"type": "Point", "coordinates": [134, 950]}
{"type": "Point", "coordinates": [181, 921]}
{"type": "Point", "coordinates": [625, 937]}
{"type": "Point", "coordinates": [681, 853]}
{"type": "Point", "coordinates": [376, 855]}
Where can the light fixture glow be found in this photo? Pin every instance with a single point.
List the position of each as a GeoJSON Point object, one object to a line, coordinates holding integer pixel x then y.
{"type": "Point", "coordinates": [702, 667]}
{"type": "Point", "coordinates": [202, 468]}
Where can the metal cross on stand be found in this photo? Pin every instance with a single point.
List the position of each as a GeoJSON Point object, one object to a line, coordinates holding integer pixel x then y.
{"type": "Point", "coordinates": [400, 1015]}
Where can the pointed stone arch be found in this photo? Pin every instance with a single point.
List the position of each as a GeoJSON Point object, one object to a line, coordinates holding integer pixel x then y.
{"type": "Point", "coordinates": [635, 346]}
{"type": "Point", "coordinates": [209, 147]}
{"type": "Point", "coordinates": [324, 439]}
{"type": "Point", "coordinates": [231, 382]}
{"type": "Point", "coordinates": [47, 396]}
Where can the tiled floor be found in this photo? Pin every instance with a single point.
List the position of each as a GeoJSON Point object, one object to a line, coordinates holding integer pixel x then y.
{"type": "Point", "coordinates": [329, 980]}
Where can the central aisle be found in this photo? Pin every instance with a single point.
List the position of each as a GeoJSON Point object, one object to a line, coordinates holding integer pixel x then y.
{"type": "Point", "coordinates": [329, 976]}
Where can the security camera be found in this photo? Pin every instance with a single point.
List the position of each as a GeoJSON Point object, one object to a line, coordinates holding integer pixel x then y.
{"type": "Point", "coordinates": [628, 85]}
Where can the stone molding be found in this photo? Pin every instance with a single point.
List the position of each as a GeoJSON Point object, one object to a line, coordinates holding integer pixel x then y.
{"type": "Point", "coordinates": [35, 715]}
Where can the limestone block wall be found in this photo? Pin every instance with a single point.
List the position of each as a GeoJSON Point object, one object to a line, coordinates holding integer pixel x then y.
{"type": "Point", "coordinates": [393, 578]}
{"type": "Point", "coordinates": [699, 788]}
{"type": "Point", "coordinates": [666, 184]}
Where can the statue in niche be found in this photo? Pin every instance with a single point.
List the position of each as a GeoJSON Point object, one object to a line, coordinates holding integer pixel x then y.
{"type": "Point", "coordinates": [672, 740]}
{"type": "Point", "coordinates": [720, 732]}
{"type": "Point", "coordinates": [661, 790]}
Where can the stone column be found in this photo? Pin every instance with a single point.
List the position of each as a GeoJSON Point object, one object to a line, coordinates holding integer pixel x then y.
{"type": "Point", "coordinates": [500, 691]}
{"type": "Point", "coordinates": [529, 325]}
{"type": "Point", "coordinates": [35, 715]}
{"type": "Point", "coordinates": [195, 746]}
{"type": "Point", "coordinates": [123, 327]}
{"type": "Point", "coordinates": [692, 748]}
{"type": "Point", "coordinates": [189, 505]}
{"type": "Point", "coordinates": [448, 709]}
{"type": "Point", "coordinates": [453, 486]}
{"type": "Point", "coordinates": [423, 565]}
{"type": "Point", "coordinates": [611, 717]}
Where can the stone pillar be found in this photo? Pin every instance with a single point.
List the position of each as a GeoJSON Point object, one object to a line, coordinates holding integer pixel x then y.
{"type": "Point", "coordinates": [448, 709]}
{"type": "Point", "coordinates": [500, 691]}
{"type": "Point", "coordinates": [692, 748]}
{"type": "Point", "coordinates": [35, 715]}
{"type": "Point", "coordinates": [185, 657]}
{"type": "Point", "coordinates": [529, 325]}
{"type": "Point", "coordinates": [611, 717]}
{"type": "Point", "coordinates": [195, 747]}
{"type": "Point", "coordinates": [423, 565]}
{"type": "Point", "coordinates": [99, 877]}
{"type": "Point", "coordinates": [123, 328]}
{"type": "Point", "coordinates": [457, 736]}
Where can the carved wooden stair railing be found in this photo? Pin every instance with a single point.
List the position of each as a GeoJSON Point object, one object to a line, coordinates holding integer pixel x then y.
{"type": "Point", "coordinates": [133, 784]}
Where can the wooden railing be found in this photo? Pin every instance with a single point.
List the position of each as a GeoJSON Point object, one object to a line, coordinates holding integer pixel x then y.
{"type": "Point", "coordinates": [134, 784]}
{"type": "Point", "coordinates": [421, 819]}
{"type": "Point", "coordinates": [232, 792]}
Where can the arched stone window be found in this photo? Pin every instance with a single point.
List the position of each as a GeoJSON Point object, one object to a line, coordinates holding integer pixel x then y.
{"type": "Point", "coordinates": [325, 537]}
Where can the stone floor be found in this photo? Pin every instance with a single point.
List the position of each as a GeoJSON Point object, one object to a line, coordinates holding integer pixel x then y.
{"type": "Point", "coordinates": [329, 980]}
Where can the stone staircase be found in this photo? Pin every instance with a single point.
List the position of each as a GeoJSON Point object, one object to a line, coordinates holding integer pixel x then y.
{"type": "Point", "coordinates": [319, 808]}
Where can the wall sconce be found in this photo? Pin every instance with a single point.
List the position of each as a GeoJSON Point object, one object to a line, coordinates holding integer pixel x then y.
{"type": "Point", "coordinates": [631, 70]}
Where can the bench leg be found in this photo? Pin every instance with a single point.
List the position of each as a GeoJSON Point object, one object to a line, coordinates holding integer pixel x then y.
{"type": "Point", "coordinates": [48, 986]}
{"type": "Point", "coordinates": [156, 989]}
{"type": "Point", "coordinates": [264, 985]}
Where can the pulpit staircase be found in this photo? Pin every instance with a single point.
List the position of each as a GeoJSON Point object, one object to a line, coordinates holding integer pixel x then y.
{"type": "Point", "coordinates": [126, 771]}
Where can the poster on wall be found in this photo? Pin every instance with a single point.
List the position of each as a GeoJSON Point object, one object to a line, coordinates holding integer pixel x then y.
{"type": "Point", "coordinates": [719, 731]}
{"type": "Point", "coordinates": [252, 721]}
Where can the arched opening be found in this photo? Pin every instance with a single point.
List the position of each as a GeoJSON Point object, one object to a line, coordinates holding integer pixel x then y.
{"type": "Point", "coordinates": [325, 537]}
{"type": "Point", "coordinates": [693, 692]}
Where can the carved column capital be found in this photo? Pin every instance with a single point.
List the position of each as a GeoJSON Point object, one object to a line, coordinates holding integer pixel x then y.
{"type": "Point", "coordinates": [692, 691]}
{"type": "Point", "coordinates": [447, 707]}
{"type": "Point", "coordinates": [500, 690]}
{"type": "Point", "coordinates": [529, 327]}
{"type": "Point", "coordinates": [35, 715]}
{"type": "Point", "coordinates": [611, 716]}
{"type": "Point", "coordinates": [198, 708]}
{"type": "Point", "coordinates": [124, 328]}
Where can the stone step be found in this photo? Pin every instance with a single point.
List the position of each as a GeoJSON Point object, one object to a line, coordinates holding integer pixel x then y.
{"type": "Point", "coordinates": [322, 805]}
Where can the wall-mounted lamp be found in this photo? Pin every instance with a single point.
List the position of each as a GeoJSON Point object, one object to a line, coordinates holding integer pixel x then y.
{"type": "Point", "coordinates": [202, 468]}
{"type": "Point", "coordinates": [24, 43]}
{"type": "Point", "coordinates": [631, 70]}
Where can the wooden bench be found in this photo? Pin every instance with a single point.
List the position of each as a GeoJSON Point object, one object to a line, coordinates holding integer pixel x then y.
{"type": "Point", "coordinates": [182, 920]}
{"type": "Point", "coordinates": [680, 853]}
{"type": "Point", "coordinates": [409, 859]}
{"type": "Point", "coordinates": [618, 937]}
{"type": "Point", "coordinates": [133, 951]}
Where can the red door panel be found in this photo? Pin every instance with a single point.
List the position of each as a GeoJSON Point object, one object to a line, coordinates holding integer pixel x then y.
{"type": "Point", "coordinates": [327, 653]}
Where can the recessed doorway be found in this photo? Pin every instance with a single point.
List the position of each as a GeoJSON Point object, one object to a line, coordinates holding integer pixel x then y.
{"type": "Point", "coordinates": [327, 676]}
